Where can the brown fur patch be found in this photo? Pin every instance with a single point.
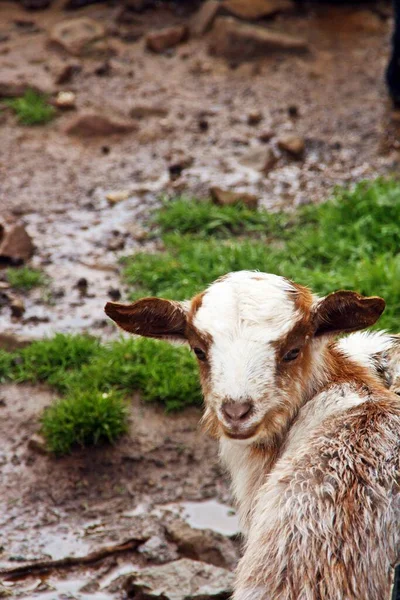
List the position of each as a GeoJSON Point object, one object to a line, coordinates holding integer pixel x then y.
{"type": "Point", "coordinates": [150, 317]}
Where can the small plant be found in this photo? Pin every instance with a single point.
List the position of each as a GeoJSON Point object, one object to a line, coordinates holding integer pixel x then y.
{"type": "Point", "coordinates": [25, 278]}
{"type": "Point", "coordinates": [83, 419]}
{"type": "Point", "coordinates": [32, 108]}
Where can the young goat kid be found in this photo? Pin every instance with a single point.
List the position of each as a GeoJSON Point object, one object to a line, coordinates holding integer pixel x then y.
{"type": "Point", "coordinates": [307, 428]}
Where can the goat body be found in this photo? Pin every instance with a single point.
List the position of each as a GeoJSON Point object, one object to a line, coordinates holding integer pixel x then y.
{"type": "Point", "coordinates": [308, 429]}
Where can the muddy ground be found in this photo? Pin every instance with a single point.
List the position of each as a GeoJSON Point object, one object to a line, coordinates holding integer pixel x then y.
{"type": "Point", "coordinates": [332, 97]}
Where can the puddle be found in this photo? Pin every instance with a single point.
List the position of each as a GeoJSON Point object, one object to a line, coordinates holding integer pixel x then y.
{"type": "Point", "coordinates": [209, 514]}
{"type": "Point", "coordinates": [73, 245]}
{"type": "Point", "coordinates": [71, 589]}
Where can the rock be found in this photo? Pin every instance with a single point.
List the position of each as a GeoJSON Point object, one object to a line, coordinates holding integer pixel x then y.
{"type": "Point", "coordinates": [17, 307]}
{"type": "Point", "coordinates": [203, 19]}
{"type": "Point", "coordinates": [64, 72]}
{"type": "Point", "coordinates": [92, 124]}
{"type": "Point", "coordinates": [11, 342]}
{"type": "Point", "coordinates": [256, 9]}
{"type": "Point", "coordinates": [181, 580]}
{"type": "Point", "coordinates": [158, 550]}
{"type": "Point", "coordinates": [143, 111]}
{"type": "Point", "coordinates": [254, 117]}
{"type": "Point", "coordinates": [114, 294]}
{"type": "Point", "coordinates": [38, 444]}
{"type": "Point", "coordinates": [228, 197]}
{"type": "Point", "coordinates": [65, 100]}
{"type": "Point", "coordinates": [291, 143]}
{"type": "Point", "coordinates": [82, 285]}
{"type": "Point", "coordinates": [116, 242]}
{"type": "Point", "coordinates": [179, 164]}
{"type": "Point", "coordinates": [203, 545]}
{"type": "Point", "coordinates": [119, 196]}
{"type": "Point", "coordinates": [259, 158]}
{"type": "Point", "coordinates": [364, 20]}
{"type": "Point", "coordinates": [241, 41]}
{"type": "Point", "coordinates": [77, 36]}
{"type": "Point", "coordinates": [16, 83]}
{"type": "Point", "coordinates": [16, 245]}
{"type": "Point", "coordinates": [162, 39]}
{"type": "Point", "coordinates": [266, 135]}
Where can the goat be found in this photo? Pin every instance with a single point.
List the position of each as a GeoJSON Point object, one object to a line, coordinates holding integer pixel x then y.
{"type": "Point", "coordinates": [306, 426]}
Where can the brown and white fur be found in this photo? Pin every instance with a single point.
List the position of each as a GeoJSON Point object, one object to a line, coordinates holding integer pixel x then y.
{"type": "Point", "coordinates": [307, 427]}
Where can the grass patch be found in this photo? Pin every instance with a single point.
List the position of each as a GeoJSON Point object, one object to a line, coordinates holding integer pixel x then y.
{"type": "Point", "coordinates": [189, 216]}
{"type": "Point", "coordinates": [96, 379]}
{"type": "Point", "coordinates": [32, 108]}
{"type": "Point", "coordinates": [84, 419]}
{"type": "Point", "coordinates": [350, 242]}
{"type": "Point", "coordinates": [25, 278]}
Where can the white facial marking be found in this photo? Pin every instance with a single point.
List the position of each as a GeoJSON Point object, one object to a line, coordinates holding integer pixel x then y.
{"type": "Point", "coordinates": [244, 313]}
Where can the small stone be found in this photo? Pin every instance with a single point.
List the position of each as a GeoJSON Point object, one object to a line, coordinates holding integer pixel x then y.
{"type": "Point", "coordinates": [204, 545]}
{"type": "Point", "coordinates": [38, 444]}
{"type": "Point", "coordinates": [291, 143]}
{"type": "Point", "coordinates": [266, 135]}
{"type": "Point", "coordinates": [119, 196]}
{"type": "Point", "coordinates": [203, 19]}
{"type": "Point", "coordinates": [158, 550]}
{"type": "Point", "coordinates": [178, 165]}
{"type": "Point", "coordinates": [293, 111]}
{"type": "Point", "coordinates": [163, 39]}
{"type": "Point", "coordinates": [11, 342]}
{"type": "Point", "coordinates": [17, 307]}
{"type": "Point", "coordinates": [93, 124]}
{"type": "Point", "coordinates": [242, 41]}
{"type": "Point", "coordinates": [143, 111]}
{"type": "Point", "coordinates": [65, 100]}
{"type": "Point", "coordinates": [203, 125]}
{"type": "Point", "coordinates": [77, 36]}
{"type": "Point", "coordinates": [116, 242]}
{"type": "Point", "coordinates": [364, 20]}
{"type": "Point", "coordinates": [256, 9]}
{"type": "Point", "coordinates": [137, 232]}
{"type": "Point", "coordinates": [114, 294]}
{"type": "Point", "coordinates": [82, 285]}
{"type": "Point", "coordinates": [259, 158]}
{"type": "Point", "coordinates": [16, 245]}
{"type": "Point", "coordinates": [65, 72]}
{"type": "Point", "coordinates": [181, 580]}
{"type": "Point", "coordinates": [228, 197]}
{"type": "Point", "coordinates": [254, 117]}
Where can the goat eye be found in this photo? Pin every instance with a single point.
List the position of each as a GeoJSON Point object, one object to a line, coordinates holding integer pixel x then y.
{"type": "Point", "coordinates": [291, 355]}
{"type": "Point", "coordinates": [201, 355]}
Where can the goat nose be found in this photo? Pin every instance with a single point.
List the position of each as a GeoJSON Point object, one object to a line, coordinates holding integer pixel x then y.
{"type": "Point", "coordinates": [236, 412]}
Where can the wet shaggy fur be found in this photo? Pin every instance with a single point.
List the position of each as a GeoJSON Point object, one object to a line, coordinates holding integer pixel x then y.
{"type": "Point", "coordinates": [315, 465]}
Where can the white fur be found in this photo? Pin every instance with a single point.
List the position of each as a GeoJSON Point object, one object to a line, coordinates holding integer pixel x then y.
{"type": "Point", "coordinates": [362, 346]}
{"type": "Point", "coordinates": [244, 313]}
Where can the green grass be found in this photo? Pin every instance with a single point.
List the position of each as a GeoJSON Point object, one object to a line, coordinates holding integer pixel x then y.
{"type": "Point", "coordinates": [32, 108]}
{"type": "Point", "coordinates": [190, 216]}
{"type": "Point", "coordinates": [25, 278]}
{"type": "Point", "coordinates": [352, 242]}
{"type": "Point", "coordinates": [84, 418]}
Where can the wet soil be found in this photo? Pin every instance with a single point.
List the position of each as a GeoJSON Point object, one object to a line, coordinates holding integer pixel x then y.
{"type": "Point", "coordinates": [332, 96]}
{"type": "Point", "coordinates": [52, 508]}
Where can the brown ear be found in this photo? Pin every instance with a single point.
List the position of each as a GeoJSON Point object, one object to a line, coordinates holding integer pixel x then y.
{"type": "Point", "coordinates": [150, 317]}
{"type": "Point", "coordinates": [345, 311]}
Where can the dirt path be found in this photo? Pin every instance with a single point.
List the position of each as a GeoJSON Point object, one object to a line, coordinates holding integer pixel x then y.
{"type": "Point", "coordinates": [332, 97]}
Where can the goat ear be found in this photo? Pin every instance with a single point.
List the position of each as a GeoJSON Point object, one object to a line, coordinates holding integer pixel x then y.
{"type": "Point", "coordinates": [150, 317]}
{"type": "Point", "coordinates": [346, 311]}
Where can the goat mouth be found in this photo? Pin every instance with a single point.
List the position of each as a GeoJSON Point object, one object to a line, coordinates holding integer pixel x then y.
{"type": "Point", "coordinates": [241, 435]}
